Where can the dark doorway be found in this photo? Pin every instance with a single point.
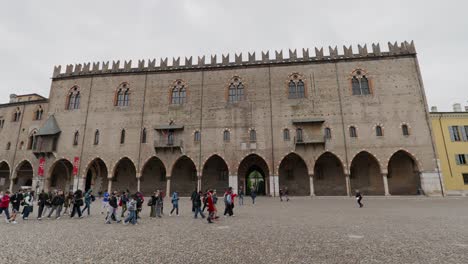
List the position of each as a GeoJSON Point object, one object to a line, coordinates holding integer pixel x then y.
{"type": "Point", "coordinates": [255, 180]}
{"type": "Point", "coordinates": [246, 174]}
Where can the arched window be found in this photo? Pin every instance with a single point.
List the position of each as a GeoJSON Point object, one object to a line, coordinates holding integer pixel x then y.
{"type": "Point", "coordinates": [253, 135]}
{"type": "Point", "coordinates": [196, 136]}
{"type": "Point", "coordinates": [122, 95]}
{"type": "Point", "coordinates": [236, 90]}
{"type": "Point", "coordinates": [352, 131]}
{"type": "Point", "coordinates": [226, 135]}
{"type": "Point", "coordinates": [73, 98]}
{"type": "Point", "coordinates": [32, 140]}
{"type": "Point", "coordinates": [328, 134]}
{"type": "Point", "coordinates": [38, 113]}
{"type": "Point", "coordinates": [76, 137]}
{"type": "Point", "coordinates": [21, 145]}
{"type": "Point", "coordinates": [405, 130]}
{"type": "Point", "coordinates": [143, 135]}
{"type": "Point", "coordinates": [286, 136]}
{"type": "Point", "coordinates": [122, 136]}
{"type": "Point", "coordinates": [17, 115]}
{"type": "Point", "coordinates": [179, 93]}
{"type": "Point", "coordinates": [296, 87]}
{"type": "Point", "coordinates": [96, 137]}
{"type": "Point", "coordinates": [378, 131]}
{"type": "Point", "coordinates": [8, 146]}
{"type": "Point", "coordinates": [360, 83]}
{"type": "Point", "coordinates": [299, 135]}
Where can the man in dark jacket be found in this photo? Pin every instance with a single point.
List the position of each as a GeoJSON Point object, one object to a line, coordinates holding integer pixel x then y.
{"type": "Point", "coordinates": [197, 205]}
{"type": "Point", "coordinates": [112, 210]}
{"type": "Point", "coordinates": [192, 198]}
{"type": "Point", "coordinates": [15, 201]}
{"type": "Point", "coordinates": [41, 202]}
{"type": "Point", "coordinates": [57, 204]}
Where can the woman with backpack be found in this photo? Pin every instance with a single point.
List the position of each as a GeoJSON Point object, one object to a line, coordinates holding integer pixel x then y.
{"type": "Point", "coordinates": [88, 199]}
{"type": "Point", "coordinates": [28, 200]}
{"type": "Point", "coordinates": [175, 203]}
{"type": "Point", "coordinates": [77, 203]}
{"type": "Point", "coordinates": [132, 207]}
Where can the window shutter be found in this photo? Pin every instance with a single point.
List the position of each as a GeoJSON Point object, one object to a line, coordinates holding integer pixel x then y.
{"type": "Point", "coordinates": [457, 159]}
{"type": "Point", "coordinates": [452, 136]}
{"type": "Point", "coordinates": [466, 158]}
{"type": "Point", "coordinates": [464, 130]}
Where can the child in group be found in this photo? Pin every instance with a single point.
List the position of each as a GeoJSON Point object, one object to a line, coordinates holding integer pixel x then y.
{"type": "Point", "coordinates": [132, 207]}
{"type": "Point", "coordinates": [4, 204]}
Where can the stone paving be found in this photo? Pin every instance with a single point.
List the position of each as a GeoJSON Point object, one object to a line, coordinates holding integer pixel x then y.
{"type": "Point", "coordinates": [304, 230]}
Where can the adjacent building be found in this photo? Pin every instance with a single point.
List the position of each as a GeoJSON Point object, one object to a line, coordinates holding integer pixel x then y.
{"type": "Point", "coordinates": [451, 137]}
{"type": "Point", "coordinates": [319, 124]}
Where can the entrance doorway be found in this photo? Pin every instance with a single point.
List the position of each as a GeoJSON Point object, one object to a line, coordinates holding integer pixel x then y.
{"type": "Point", "coordinates": [255, 180]}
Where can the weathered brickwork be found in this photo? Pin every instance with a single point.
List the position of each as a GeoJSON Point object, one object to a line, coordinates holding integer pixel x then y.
{"type": "Point", "coordinates": [390, 164]}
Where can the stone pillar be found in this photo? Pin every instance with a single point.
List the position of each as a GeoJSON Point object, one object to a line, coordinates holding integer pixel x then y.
{"type": "Point", "coordinates": [199, 187]}
{"type": "Point", "coordinates": [109, 185]}
{"type": "Point", "coordinates": [311, 179]}
{"type": "Point", "coordinates": [233, 182]}
{"type": "Point", "coordinates": [168, 186]}
{"type": "Point", "coordinates": [274, 185]}
{"type": "Point", "coordinates": [11, 185]}
{"type": "Point", "coordinates": [348, 185]}
{"type": "Point", "coordinates": [385, 184]}
{"type": "Point", "coordinates": [138, 175]}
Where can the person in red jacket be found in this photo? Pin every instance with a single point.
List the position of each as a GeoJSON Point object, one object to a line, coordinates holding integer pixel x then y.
{"type": "Point", "coordinates": [4, 204]}
{"type": "Point", "coordinates": [211, 206]}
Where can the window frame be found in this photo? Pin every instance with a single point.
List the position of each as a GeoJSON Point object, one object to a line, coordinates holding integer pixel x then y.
{"type": "Point", "coordinates": [253, 135]}
{"type": "Point", "coordinates": [236, 90]}
{"type": "Point", "coordinates": [353, 132]}
{"type": "Point", "coordinates": [178, 93]}
{"type": "Point", "coordinates": [76, 136]}
{"type": "Point", "coordinates": [379, 131]}
{"type": "Point", "coordinates": [405, 131]}
{"type": "Point", "coordinates": [197, 136]}
{"type": "Point", "coordinates": [226, 135]}
{"type": "Point", "coordinates": [122, 136]}
{"type": "Point", "coordinates": [360, 83]}
{"type": "Point", "coordinates": [144, 136]}
{"type": "Point", "coordinates": [73, 98]}
{"type": "Point", "coordinates": [296, 86]}
{"type": "Point", "coordinates": [97, 136]}
{"type": "Point", "coordinates": [286, 134]}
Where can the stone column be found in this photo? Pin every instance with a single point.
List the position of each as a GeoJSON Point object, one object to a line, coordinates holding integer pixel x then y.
{"type": "Point", "coordinates": [274, 185]}
{"type": "Point", "coordinates": [11, 183]}
{"type": "Point", "coordinates": [348, 185]}
{"type": "Point", "coordinates": [168, 186]}
{"type": "Point", "coordinates": [199, 187]}
{"type": "Point", "coordinates": [138, 175]}
{"type": "Point", "coordinates": [311, 179]}
{"type": "Point", "coordinates": [109, 185]}
{"type": "Point", "coordinates": [233, 182]}
{"type": "Point", "coordinates": [385, 184]}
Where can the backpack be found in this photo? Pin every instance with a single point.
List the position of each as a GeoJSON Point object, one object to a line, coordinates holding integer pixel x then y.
{"type": "Point", "coordinates": [228, 199]}
{"type": "Point", "coordinates": [93, 198]}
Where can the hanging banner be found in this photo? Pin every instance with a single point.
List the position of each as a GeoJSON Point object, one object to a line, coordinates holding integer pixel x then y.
{"type": "Point", "coordinates": [76, 163]}
{"type": "Point", "coordinates": [40, 170]}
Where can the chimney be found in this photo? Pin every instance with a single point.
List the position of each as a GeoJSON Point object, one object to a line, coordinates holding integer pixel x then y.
{"type": "Point", "coordinates": [457, 107]}
{"type": "Point", "coordinates": [433, 108]}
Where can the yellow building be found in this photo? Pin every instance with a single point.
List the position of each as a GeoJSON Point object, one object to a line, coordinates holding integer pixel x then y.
{"type": "Point", "coordinates": [450, 131]}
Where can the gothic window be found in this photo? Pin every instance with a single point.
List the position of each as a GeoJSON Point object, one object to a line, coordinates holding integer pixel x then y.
{"type": "Point", "coordinates": [286, 136]}
{"type": "Point", "coordinates": [96, 137]}
{"type": "Point", "coordinates": [21, 145]}
{"type": "Point", "coordinates": [179, 93]}
{"type": "Point", "coordinates": [2, 122]}
{"type": "Point", "coordinates": [122, 136]}
{"type": "Point", "coordinates": [378, 131]}
{"type": "Point", "coordinates": [196, 136]}
{"type": "Point", "coordinates": [143, 135]}
{"type": "Point", "coordinates": [253, 135]}
{"type": "Point", "coordinates": [32, 140]}
{"type": "Point", "coordinates": [296, 87]}
{"type": "Point", "coordinates": [299, 135]}
{"type": "Point", "coordinates": [236, 90]}
{"type": "Point", "coordinates": [76, 138]}
{"type": "Point", "coordinates": [38, 113]}
{"type": "Point", "coordinates": [352, 132]}
{"type": "Point", "coordinates": [328, 133]}
{"type": "Point", "coordinates": [8, 146]}
{"type": "Point", "coordinates": [73, 99]}
{"type": "Point", "coordinates": [17, 115]}
{"type": "Point", "coordinates": [122, 95]}
{"type": "Point", "coordinates": [360, 83]}
{"type": "Point", "coordinates": [226, 136]}
{"type": "Point", "coordinates": [405, 130]}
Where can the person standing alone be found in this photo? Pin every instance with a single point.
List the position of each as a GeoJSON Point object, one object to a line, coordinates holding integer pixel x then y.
{"type": "Point", "coordinates": [359, 198]}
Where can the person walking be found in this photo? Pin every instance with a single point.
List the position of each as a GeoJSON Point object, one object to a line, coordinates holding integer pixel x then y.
{"type": "Point", "coordinates": [15, 201]}
{"type": "Point", "coordinates": [77, 202]}
{"type": "Point", "coordinates": [112, 209]}
{"type": "Point", "coordinates": [28, 201]}
{"type": "Point", "coordinates": [152, 204]}
{"type": "Point", "coordinates": [197, 205]}
{"type": "Point", "coordinates": [175, 203]}
{"type": "Point", "coordinates": [241, 196]}
{"type": "Point", "coordinates": [67, 203]}
{"type": "Point", "coordinates": [57, 204]}
{"type": "Point", "coordinates": [140, 200]}
{"type": "Point", "coordinates": [253, 195]}
{"type": "Point", "coordinates": [211, 207]}
{"type": "Point", "coordinates": [228, 203]}
{"type": "Point", "coordinates": [105, 202]}
{"type": "Point", "coordinates": [88, 199]}
{"type": "Point", "coordinates": [5, 204]}
{"type": "Point", "coordinates": [131, 206]}
{"type": "Point", "coordinates": [159, 203]}
{"type": "Point", "coordinates": [41, 202]}
{"type": "Point", "coordinates": [48, 203]}
{"type": "Point", "coordinates": [286, 194]}
{"type": "Point", "coordinates": [281, 193]}
{"type": "Point", "coordinates": [123, 203]}
{"type": "Point", "coordinates": [359, 198]}
{"type": "Point", "coordinates": [192, 198]}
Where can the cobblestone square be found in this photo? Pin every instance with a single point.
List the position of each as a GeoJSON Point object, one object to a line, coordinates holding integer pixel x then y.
{"type": "Point", "coordinates": [304, 230]}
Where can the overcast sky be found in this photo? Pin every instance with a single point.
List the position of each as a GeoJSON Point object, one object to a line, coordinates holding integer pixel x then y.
{"type": "Point", "coordinates": [36, 35]}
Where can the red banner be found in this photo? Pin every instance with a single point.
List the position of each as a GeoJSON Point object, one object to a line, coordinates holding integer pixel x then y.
{"type": "Point", "coordinates": [76, 163]}
{"type": "Point", "coordinates": [40, 170]}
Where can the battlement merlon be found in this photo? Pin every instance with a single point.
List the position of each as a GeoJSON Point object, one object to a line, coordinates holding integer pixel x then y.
{"type": "Point", "coordinates": [394, 49]}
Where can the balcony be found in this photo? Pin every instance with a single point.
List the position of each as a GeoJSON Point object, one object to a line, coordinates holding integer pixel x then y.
{"type": "Point", "coordinates": [310, 140]}
{"type": "Point", "coordinates": [169, 144]}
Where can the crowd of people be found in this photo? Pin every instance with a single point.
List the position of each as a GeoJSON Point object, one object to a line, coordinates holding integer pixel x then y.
{"type": "Point", "coordinates": [130, 205]}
